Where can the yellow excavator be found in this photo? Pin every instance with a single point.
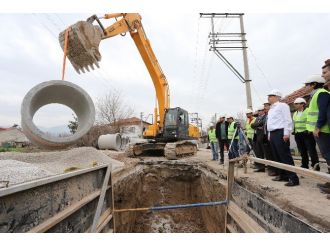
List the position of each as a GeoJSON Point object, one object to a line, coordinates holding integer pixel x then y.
{"type": "Point", "coordinates": [171, 132]}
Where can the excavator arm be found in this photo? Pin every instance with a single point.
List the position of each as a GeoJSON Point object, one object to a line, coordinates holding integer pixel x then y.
{"type": "Point", "coordinates": [83, 53]}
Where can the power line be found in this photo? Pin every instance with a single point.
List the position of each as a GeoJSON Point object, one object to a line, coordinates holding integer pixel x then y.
{"type": "Point", "coordinates": [259, 68]}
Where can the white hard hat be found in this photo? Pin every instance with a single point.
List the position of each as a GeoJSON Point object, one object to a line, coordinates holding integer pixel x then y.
{"type": "Point", "coordinates": [261, 108]}
{"type": "Point", "coordinates": [299, 100]}
{"type": "Point", "coordinates": [275, 92]}
{"type": "Point", "coordinates": [315, 78]}
{"type": "Point", "coordinates": [248, 111]}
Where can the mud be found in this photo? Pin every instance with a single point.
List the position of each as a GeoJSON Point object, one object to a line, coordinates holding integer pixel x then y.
{"type": "Point", "coordinates": [157, 183]}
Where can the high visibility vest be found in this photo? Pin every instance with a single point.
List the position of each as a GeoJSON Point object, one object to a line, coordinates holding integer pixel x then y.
{"type": "Point", "coordinates": [300, 121]}
{"type": "Point", "coordinates": [212, 136]}
{"type": "Point", "coordinates": [313, 112]}
{"type": "Point", "coordinates": [231, 131]}
{"type": "Point", "coordinates": [248, 128]}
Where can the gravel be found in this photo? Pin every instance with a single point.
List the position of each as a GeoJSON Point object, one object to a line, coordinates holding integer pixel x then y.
{"type": "Point", "coordinates": [15, 172]}
{"type": "Point", "coordinates": [21, 167]}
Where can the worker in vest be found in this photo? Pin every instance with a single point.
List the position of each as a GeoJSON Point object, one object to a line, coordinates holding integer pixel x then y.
{"type": "Point", "coordinates": [233, 145]}
{"type": "Point", "coordinates": [213, 143]}
{"type": "Point", "coordinates": [249, 132]}
{"type": "Point", "coordinates": [325, 188]}
{"type": "Point", "coordinates": [317, 116]}
{"type": "Point", "coordinates": [304, 139]}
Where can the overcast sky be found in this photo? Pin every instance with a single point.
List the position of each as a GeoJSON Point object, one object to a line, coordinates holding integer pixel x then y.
{"type": "Point", "coordinates": [284, 49]}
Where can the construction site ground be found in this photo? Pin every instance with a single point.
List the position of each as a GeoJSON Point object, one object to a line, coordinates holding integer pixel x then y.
{"type": "Point", "coordinates": [304, 201]}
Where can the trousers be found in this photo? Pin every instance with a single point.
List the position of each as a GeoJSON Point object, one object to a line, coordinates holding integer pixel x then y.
{"type": "Point", "coordinates": [306, 146]}
{"type": "Point", "coordinates": [282, 154]}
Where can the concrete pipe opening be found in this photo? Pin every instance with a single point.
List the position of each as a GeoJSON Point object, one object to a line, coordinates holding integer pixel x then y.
{"type": "Point", "coordinates": [110, 141]}
{"type": "Point", "coordinates": [60, 92]}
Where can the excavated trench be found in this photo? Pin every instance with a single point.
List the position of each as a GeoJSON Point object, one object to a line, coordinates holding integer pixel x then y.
{"type": "Point", "coordinates": [160, 183]}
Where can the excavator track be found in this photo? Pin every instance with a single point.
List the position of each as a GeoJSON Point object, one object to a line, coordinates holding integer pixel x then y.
{"type": "Point", "coordinates": [175, 150]}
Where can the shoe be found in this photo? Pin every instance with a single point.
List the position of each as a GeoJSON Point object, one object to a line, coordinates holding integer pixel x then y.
{"type": "Point", "coordinates": [316, 167]}
{"type": "Point", "coordinates": [279, 178]}
{"type": "Point", "coordinates": [328, 197]}
{"type": "Point", "coordinates": [291, 183]}
{"type": "Point", "coordinates": [259, 170]}
{"type": "Point", "coordinates": [325, 190]}
{"type": "Point", "coordinates": [221, 162]}
{"type": "Point", "coordinates": [325, 185]}
{"type": "Point", "coordinates": [272, 174]}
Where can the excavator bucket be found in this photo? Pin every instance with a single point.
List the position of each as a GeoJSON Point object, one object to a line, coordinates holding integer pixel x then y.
{"type": "Point", "coordinates": [83, 45]}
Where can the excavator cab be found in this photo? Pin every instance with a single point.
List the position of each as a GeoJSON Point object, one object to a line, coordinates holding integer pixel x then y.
{"type": "Point", "coordinates": [176, 124]}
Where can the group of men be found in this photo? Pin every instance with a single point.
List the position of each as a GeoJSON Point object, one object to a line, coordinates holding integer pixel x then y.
{"type": "Point", "coordinates": [268, 132]}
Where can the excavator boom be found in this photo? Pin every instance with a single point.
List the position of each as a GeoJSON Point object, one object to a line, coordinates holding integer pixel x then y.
{"type": "Point", "coordinates": [81, 43]}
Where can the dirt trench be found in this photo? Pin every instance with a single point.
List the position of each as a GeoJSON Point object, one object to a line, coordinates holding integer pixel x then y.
{"type": "Point", "coordinates": [161, 183]}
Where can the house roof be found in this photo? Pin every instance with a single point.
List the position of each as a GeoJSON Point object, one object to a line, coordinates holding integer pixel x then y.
{"type": "Point", "coordinates": [302, 92]}
{"type": "Point", "coordinates": [12, 134]}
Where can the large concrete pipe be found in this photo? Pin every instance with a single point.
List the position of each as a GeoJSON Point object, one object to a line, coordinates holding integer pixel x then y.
{"type": "Point", "coordinates": [110, 141]}
{"type": "Point", "coordinates": [61, 92]}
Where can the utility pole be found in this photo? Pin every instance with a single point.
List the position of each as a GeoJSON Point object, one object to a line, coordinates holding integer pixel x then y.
{"type": "Point", "coordinates": [221, 41]}
{"type": "Point", "coordinates": [246, 66]}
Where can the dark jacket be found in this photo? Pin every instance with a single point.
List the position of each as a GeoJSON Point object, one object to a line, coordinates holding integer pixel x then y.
{"type": "Point", "coordinates": [259, 126]}
{"type": "Point", "coordinates": [218, 129]}
{"type": "Point", "coordinates": [323, 101]}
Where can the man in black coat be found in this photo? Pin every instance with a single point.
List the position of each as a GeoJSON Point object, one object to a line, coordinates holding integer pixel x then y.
{"type": "Point", "coordinates": [221, 132]}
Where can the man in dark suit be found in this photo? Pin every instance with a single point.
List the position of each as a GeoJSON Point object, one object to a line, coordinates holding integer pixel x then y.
{"type": "Point", "coordinates": [221, 132]}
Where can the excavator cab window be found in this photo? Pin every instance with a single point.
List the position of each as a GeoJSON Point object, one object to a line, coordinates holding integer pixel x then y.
{"type": "Point", "coordinates": [171, 118]}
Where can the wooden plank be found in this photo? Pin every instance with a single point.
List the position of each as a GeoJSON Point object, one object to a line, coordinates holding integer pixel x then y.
{"type": "Point", "coordinates": [106, 215]}
{"type": "Point", "coordinates": [230, 181]}
{"type": "Point", "coordinates": [104, 223]}
{"type": "Point", "coordinates": [113, 204]}
{"type": "Point", "coordinates": [231, 229]}
{"type": "Point", "coordinates": [245, 222]}
{"type": "Point", "coordinates": [49, 223]}
{"type": "Point", "coordinates": [101, 199]}
{"type": "Point", "coordinates": [301, 171]}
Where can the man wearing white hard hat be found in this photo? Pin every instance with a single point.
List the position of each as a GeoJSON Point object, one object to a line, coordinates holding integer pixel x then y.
{"type": "Point", "coordinates": [221, 130]}
{"type": "Point", "coordinates": [249, 131]}
{"type": "Point", "coordinates": [304, 139]}
{"type": "Point", "coordinates": [279, 127]}
{"type": "Point", "coordinates": [317, 116]}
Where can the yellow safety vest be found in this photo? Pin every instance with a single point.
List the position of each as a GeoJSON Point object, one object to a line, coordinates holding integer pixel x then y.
{"type": "Point", "coordinates": [231, 131]}
{"type": "Point", "coordinates": [212, 136]}
{"type": "Point", "coordinates": [300, 121]}
{"type": "Point", "coordinates": [313, 112]}
{"type": "Point", "coordinates": [248, 128]}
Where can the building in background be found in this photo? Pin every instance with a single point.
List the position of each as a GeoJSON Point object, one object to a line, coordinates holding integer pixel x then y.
{"type": "Point", "coordinates": [13, 137]}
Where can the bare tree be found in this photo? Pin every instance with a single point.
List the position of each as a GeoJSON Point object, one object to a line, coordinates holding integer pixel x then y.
{"type": "Point", "coordinates": [111, 107]}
